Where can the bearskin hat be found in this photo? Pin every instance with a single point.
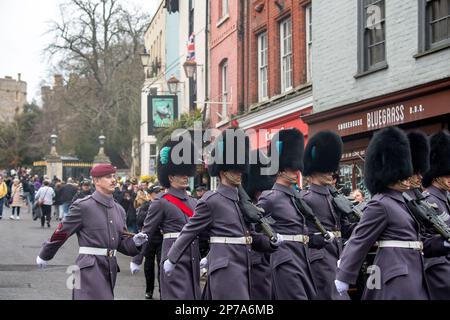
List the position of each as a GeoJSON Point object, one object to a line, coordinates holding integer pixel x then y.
{"type": "Point", "coordinates": [439, 157]}
{"type": "Point", "coordinates": [323, 153]}
{"type": "Point", "coordinates": [289, 145]}
{"type": "Point", "coordinates": [388, 159]}
{"type": "Point", "coordinates": [230, 152]}
{"type": "Point", "coordinates": [255, 180]}
{"type": "Point", "coordinates": [420, 151]}
{"type": "Point", "coordinates": [167, 166]}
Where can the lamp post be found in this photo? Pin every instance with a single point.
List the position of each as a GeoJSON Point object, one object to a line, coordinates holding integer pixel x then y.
{"type": "Point", "coordinates": [173, 83]}
{"type": "Point", "coordinates": [145, 60]}
{"type": "Point", "coordinates": [190, 68]}
{"type": "Point", "coordinates": [53, 140]}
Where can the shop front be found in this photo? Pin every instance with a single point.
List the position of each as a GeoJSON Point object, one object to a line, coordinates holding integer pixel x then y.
{"type": "Point", "coordinates": [425, 108]}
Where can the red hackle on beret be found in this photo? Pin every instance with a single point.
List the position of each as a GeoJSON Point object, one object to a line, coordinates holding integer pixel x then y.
{"type": "Point", "coordinates": [101, 170]}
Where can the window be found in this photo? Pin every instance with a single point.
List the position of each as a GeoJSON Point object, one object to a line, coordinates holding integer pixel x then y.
{"type": "Point", "coordinates": [286, 54]}
{"type": "Point", "coordinates": [224, 9]}
{"type": "Point", "coordinates": [262, 66]}
{"type": "Point", "coordinates": [308, 28]}
{"type": "Point", "coordinates": [434, 24]}
{"type": "Point", "coordinates": [224, 73]}
{"type": "Point", "coordinates": [372, 35]}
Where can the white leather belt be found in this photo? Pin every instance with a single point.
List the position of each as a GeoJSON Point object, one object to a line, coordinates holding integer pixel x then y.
{"type": "Point", "coordinates": [171, 235]}
{"type": "Point", "coordinates": [231, 240]}
{"type": "Point", "coordinates": [418, 245]}
{"type": "Point", "coordinates": [98, 251]}
{"type": "Point", "coordinates": [296, 238]}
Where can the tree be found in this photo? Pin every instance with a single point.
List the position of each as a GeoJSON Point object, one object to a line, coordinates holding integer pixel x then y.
{"type": "Point", "coordinates": [97, 45]}
{"type": "Point", "coordinates": [19, 144]}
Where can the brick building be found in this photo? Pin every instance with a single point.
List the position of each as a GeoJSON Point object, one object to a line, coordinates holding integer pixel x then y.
{"type": "Point", "coordinates": [278, 67]}
{"type": "Point", "coordinates": [13, 96]}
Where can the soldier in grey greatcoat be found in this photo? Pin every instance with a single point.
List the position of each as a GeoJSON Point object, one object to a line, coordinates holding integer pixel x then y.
{"type": "Point", "coordinates": [254, 183]}
{"type": "Point", "coordinates": [398, 270]}
{"type": "Point", "coordinates": [291, 271]}
{"type": "Point", "coordinates": [437, 184]}
{"type": "Point", "coordinates": [218, 213]}
{"type": "Point", "coordinates": [322, 155]}
{"type": "Point", "coordinates": [99, 223]}
{"type": "Point", "coordinates": [168, 214]}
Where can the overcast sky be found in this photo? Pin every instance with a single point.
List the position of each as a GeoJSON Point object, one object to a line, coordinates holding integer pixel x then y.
{"type": "Point", "coordinates": [23, 24]}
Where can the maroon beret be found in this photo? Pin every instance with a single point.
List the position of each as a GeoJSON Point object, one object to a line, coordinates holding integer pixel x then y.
{"type": "Point", "coordinates": [102, 169]}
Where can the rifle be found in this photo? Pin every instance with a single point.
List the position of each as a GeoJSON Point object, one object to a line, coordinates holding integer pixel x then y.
{"type": "Point", "coordinates": [426, 213]}
{"type": "Point", "coordinates": [254, 214]}
{"type": "Point", "coordinates": [307, 212]}
{"type": "Point", "coordinates": [342, 204]}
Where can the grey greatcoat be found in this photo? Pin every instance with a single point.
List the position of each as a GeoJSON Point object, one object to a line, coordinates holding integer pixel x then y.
{"type": "Point", "coordinates": [291, 271]}
{"type": "Point", "coordinates": [98, 222]}
{"type": "Point", "coordinates": [229, 264]}
{"type": "Point", "coordinates": [400, 270]}
{"type": "Point", "coordinates": [164, 216]}
{"type": "Point", "coordinates": [323, 261]}
{"type": "Point", "coordinates": [437, 269]}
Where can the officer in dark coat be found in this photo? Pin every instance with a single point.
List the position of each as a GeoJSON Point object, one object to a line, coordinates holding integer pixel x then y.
{"type": "Point", "coordinates": [254, 183]}
{"type": "Point", "coordinates": [218, 212]}
{"type": "Point", "coordinates": [291, 272]}
{"type": "Point", "coordinates": [398, 270]}
{"type": "Point", "coordinates": [168, 213]}
{"type": "Point", "coordinates": [322, 155]}
{"type": "Point", "coordinates": [99, 223]}
{"type": "Point", "coordinates": [437, 184]}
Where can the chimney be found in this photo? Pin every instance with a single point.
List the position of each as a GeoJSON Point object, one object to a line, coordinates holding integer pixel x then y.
{"type": "Point", "coordinates": [18, 76]}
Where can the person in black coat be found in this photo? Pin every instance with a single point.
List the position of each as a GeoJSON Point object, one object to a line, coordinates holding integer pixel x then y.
{"type": "Point", "coordinates": [85, 191]}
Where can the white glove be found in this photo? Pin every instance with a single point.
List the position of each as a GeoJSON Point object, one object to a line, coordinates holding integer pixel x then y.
{"type": "Point", "coordinates": [204, 263]}
{"type": "Point", "coordinates": [41, 263]}
{"type": "Point", "coordinates": [134, 267]}
{"type": "Point", "coordinates": [338, 263]}
{"type": "Point", "coordinates": [341, 287]}
{"type": "Point", "coordinates": [279, 240]}
{"type": "Point", "coordinates": [332, 236]}
{"type": "Point", "coordinates": [140, 238]}
{"type": "Point", "coordinates": [446, 244]}
{"type": "Point", "coordinates": [168, 267]}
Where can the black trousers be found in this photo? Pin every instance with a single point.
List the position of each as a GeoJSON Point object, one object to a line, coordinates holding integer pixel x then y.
{"type": "Point", "coordinates": [153, 251]}
{"type": "Point", "coordinates": [46, 214]}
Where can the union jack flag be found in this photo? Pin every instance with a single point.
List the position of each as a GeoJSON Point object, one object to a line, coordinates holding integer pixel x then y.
{"type": "Point", "coordinates": [191, 48]}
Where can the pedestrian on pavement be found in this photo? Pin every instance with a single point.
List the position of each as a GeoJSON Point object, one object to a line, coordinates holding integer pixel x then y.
{"type": "Point", "coordinates": [387, 221]}
{"type": "Point", "coordinates": [68, 191]}
{"type": "Point", "coordinates": [3, 194]}
{"type": "Point", "coordinates": [151, 251]}
{"type": "Point", "coordinates": [85, 191]}
{"type": "Point", "coordinates": [44, 198]}
{"type": "Point", "coordinates": [99, 223]}
{"type": "Point", "coordinates": [17, 198]}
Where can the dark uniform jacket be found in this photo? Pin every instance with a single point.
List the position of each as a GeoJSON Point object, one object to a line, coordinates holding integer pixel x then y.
{"type": "Point", "coordinates": [98, 222]}
{"type": "Point", "coordinates": [399, 271]}
{"type": "Point", "coordinates": [184, 281]}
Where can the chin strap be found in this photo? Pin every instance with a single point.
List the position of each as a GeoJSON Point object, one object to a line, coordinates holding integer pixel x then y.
{"type": "Point", "coordinates": [234, 181]}
{"type": "Point", "coordinates": [441, 184]}
{"type": "Point", "coordinates": [291, 180]}
{"type": "Point", "coordinates": [415, 183]}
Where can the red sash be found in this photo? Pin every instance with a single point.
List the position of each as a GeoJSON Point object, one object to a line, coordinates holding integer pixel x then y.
{"type": "Point", "coordinates": [179, 204]}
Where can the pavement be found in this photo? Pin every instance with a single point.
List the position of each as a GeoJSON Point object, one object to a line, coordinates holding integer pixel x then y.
{"type": "Point", "coordinates": [21, 279]}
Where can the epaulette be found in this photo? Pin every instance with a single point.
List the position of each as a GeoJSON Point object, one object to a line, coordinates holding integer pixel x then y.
{"type": "Point", "coordinates": [266, 193]}
{"type": "Point", "coordinates": [208, 195]}
{"type": "Point", "coordinates": [83, 199]}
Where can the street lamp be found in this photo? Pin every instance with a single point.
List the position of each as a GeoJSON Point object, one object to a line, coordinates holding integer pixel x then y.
{"type": "Point", "coordinates": [53, 139]}
{"type": "Point", "coordinates": [145, 58]}
{"type": "Point", "coordinates": [190, 68]}
{"type": "Point", "coordinates": [172, 83]}
{"type": "Point", "coordinates": [102, 139]}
